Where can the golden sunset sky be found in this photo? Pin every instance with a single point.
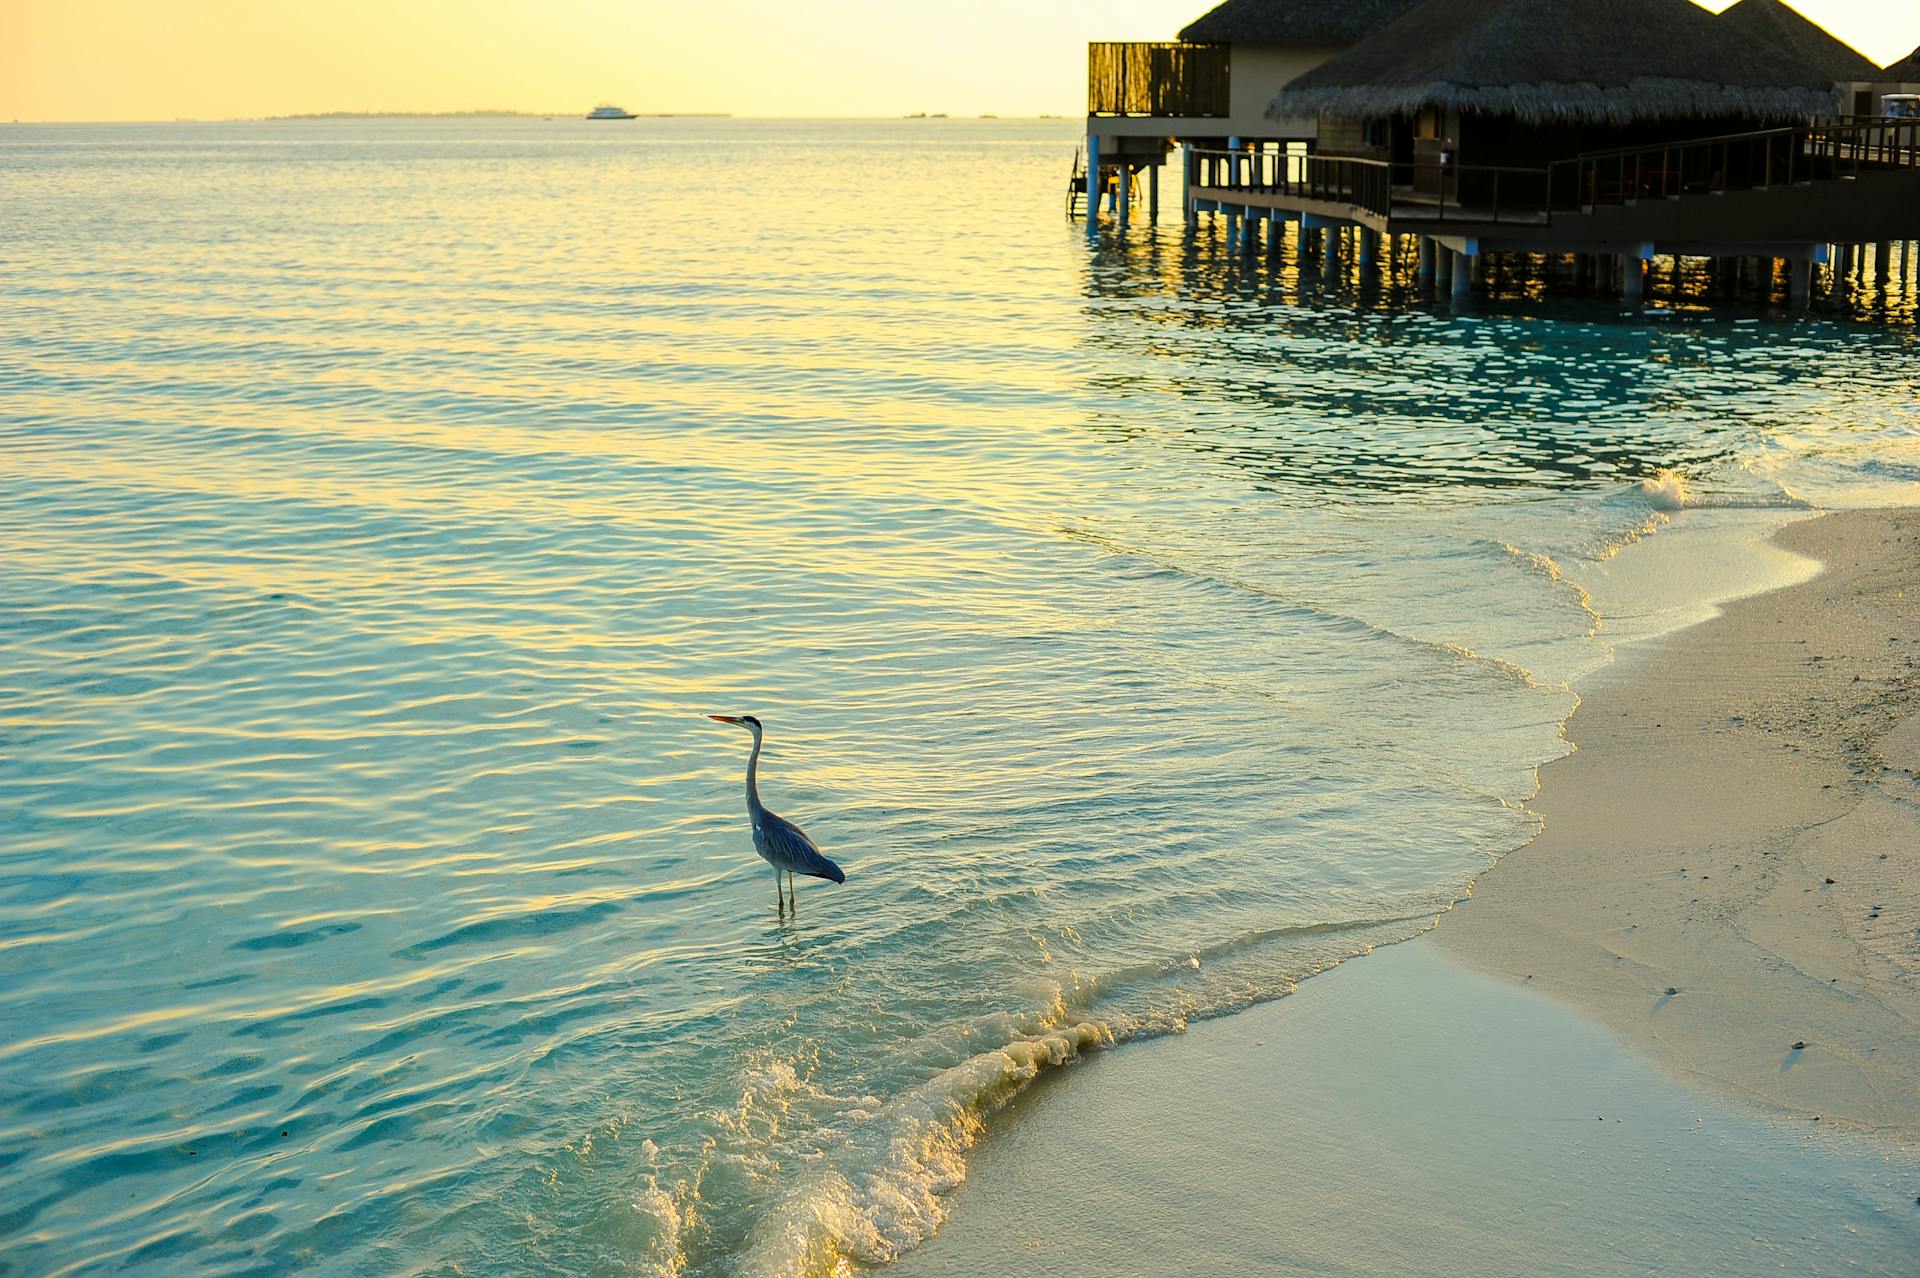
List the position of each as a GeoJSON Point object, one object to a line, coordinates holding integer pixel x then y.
{"type": "Point", "coordinates": [216, 59]}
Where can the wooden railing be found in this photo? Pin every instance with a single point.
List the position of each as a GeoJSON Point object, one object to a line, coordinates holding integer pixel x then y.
{"type": "Point", "coordinates": [1422, 191]}
{"type": "Point", "coordinates": [1162, 80]}
{"type": "Point", "coordinates": [1481, 193]}
{"type": "Point", "coordinates": [1817, 152]}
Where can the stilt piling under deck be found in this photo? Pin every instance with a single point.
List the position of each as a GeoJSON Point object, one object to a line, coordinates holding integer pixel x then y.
{"type": "Point", "coordinates": [1463, 272]}
{"type": "Point", "coordinates": [1187, 205]}
{"type": "Point", "coordinates": [1094, 185]}
{"type": "Point", "coordinates": [1852, 184]}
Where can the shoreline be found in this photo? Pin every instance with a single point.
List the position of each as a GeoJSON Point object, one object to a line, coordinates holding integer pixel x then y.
{"type": "Point", "coordinates": [1771, 757]}
{"type": "Point", "coordinates": [1738, 824]}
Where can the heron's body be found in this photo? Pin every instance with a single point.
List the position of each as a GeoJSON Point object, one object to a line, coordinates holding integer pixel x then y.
{"type": "Point", "coordinates": [780, 843]}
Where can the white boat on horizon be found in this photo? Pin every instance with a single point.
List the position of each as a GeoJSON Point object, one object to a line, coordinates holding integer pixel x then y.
{"type": "Point", "coordinates": [608, 111]}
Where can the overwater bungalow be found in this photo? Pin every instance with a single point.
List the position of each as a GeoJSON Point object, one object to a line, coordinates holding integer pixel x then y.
{"type": "Point", "coordinates": [1905, 73]}
{"type": "Point", "coordinates": [1212, 86]}
{"type": "Point", "coordinates": [1612, 129]}
{"type": "Point", "coordinates": [1781, 24]}
{"type": "Point", "coordinates": [1854, 75]}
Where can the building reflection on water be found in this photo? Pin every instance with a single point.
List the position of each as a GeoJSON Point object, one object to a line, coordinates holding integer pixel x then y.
{"type": "Point", "coordinates": [1343, 377]}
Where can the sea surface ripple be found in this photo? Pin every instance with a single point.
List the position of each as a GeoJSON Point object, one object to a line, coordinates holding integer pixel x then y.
{"type": "Point", "coordinates": [384, 503]}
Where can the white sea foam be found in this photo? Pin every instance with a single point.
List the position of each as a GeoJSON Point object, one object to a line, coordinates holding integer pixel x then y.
{"type": "Point", "coordinates": [1666, 490]}
{"type": "Point", "coordinates": [881, 1193]}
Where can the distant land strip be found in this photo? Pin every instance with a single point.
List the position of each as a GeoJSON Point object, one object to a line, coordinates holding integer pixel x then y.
{"type": "Point", "coordinates": [490, 115]}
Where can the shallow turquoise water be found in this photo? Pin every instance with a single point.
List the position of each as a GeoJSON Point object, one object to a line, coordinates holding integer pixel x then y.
{"type": "Point", "coordinates": [383, 505]}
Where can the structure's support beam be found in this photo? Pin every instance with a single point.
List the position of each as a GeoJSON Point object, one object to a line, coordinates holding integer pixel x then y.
{"type": "Point", "coordinates": [1427, 250]}
{"type": "Point", "coordinates": [1802, 270]}
{"type": "Point", "coordinates": [1093, 185]}
{"type": "Point", "coordinates": [1123, 194]}
{"type": "Point", "coordinates": [1463, 264]}
{"type": "Point", "coordinates": [1153, 195]}
{"type": "Point", "coordinates": [1818, 255]}
{"type": "Point", "coordinates": [1186, 186]}
{"type": "Point", "coordinates": [1250, 232]}
{"type": "Point", "coordinates": [1880, 272]}
{"type": "Point", "coordinates": [1633, 272]}
{"type": "Point", "coordinates": [1315, 234]}
{"type": "Point", "coordinates": [1369, 246]}
{"type": "Point", "coordinates": [1329, 252]}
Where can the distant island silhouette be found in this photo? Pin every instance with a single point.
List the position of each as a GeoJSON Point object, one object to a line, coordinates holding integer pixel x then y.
{"type": "Point", "coordinates": [488, 115]}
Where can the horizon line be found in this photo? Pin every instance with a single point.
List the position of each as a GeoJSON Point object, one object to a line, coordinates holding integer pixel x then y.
{"type": "Point", "coordinates": [536, 115]}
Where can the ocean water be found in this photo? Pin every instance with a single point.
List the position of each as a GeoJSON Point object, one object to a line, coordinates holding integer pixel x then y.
{"type": "Point", "coordinates": [383, 504]}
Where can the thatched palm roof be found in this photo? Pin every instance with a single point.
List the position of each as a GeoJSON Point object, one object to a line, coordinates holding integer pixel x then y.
{"type": "Point", "coordinates": [1905, 71]}
{"type": "Point", "coordinates": [1786, 27]}
{"type": "Point", "coordinates": [1614, 61]}
{"type": "Point", "coordinates": [1295, 22]}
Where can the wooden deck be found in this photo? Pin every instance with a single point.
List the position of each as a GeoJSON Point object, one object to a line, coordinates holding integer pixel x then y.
{"type": "Point", "coordinates": [1775, 192]}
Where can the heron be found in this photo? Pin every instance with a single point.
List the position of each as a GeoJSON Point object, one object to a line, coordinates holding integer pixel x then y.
{"type": "Point", "coordinates": [781, 843]}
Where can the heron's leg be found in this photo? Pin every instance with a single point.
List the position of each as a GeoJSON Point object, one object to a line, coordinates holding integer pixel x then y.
{"type": "Point", "coordinates": [779, 900]}
{"type": "Point", "coordinates": [791, 895]}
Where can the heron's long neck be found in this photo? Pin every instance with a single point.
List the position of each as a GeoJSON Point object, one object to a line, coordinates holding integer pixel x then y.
{"type": "Point", "coordinates": [753, 778]}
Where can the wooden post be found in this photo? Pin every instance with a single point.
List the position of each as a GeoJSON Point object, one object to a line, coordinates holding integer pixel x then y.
{"type": "Point", "coordinates": [1093, 185]}
{"type": "Point", "coordinates": [1426, 260]}
{"type": "Point", "coordinates": [1123, 193]}
{"type": "Point", "coordinates": [1187, 210]}
{"type": "Point", "coordinates": [1153, 195]}
{"type": "Point", "coordinates": [1463, 274]}
{"type": "Point", "coordinates": [1802, 281]}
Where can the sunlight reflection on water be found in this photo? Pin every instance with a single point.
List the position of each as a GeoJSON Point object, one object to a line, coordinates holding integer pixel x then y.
{"type": "Point", "coordinates": [384, 504]}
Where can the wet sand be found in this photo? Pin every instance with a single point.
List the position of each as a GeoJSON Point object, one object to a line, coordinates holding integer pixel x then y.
{"type": "Point", "coordinates": [1678, 1032]}
{"type": "Point", "coordinates": [1403, 1114]}
{"type": "Point", "coordinates": [1740, 824]}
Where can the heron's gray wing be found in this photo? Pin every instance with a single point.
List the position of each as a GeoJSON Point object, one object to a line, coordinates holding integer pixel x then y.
{"type": "Point", "coordinates": [789, 848]}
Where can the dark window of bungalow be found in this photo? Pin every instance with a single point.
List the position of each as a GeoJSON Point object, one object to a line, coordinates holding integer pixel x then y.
{"type": "Point", "coordinates": [1863, 101]}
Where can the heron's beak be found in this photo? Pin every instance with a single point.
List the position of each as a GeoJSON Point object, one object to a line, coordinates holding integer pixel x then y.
{"type": "Point", "coordinates": [724, 718]}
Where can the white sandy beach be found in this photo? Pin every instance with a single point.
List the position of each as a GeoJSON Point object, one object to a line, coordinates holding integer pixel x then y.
{"type": "Point", "coordinates": [1739, 825]}
{"type": "Point", "coordinates": [1677, 1033]}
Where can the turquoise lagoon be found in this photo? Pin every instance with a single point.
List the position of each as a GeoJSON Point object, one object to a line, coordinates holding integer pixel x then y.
{"type": "Point", "coordinates": [383, 504]}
